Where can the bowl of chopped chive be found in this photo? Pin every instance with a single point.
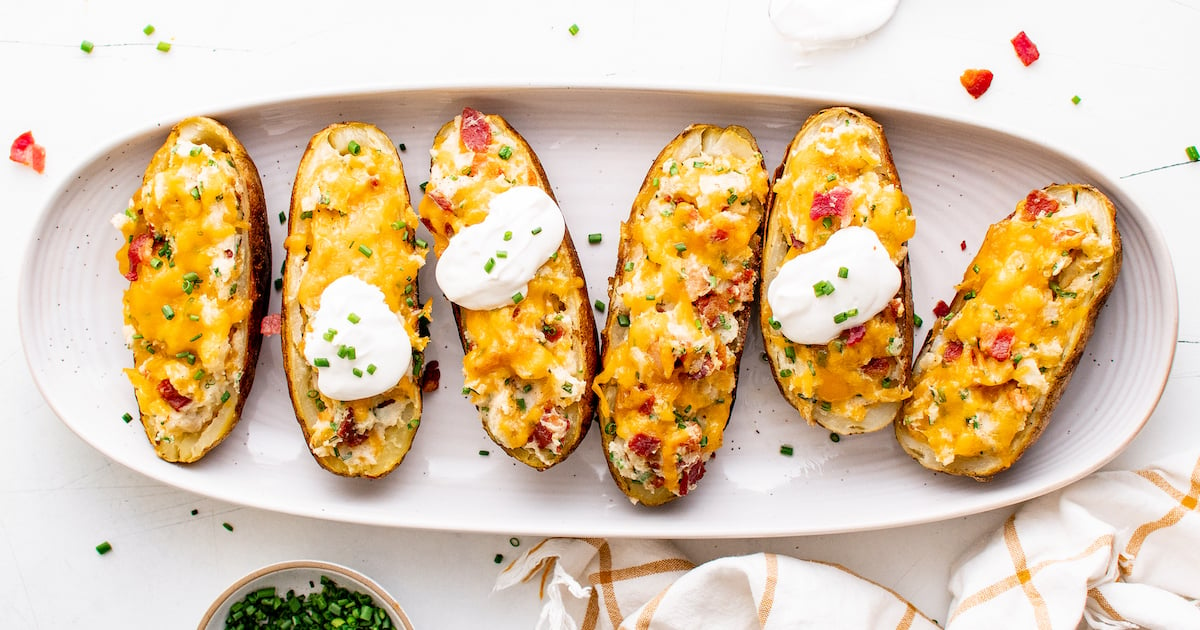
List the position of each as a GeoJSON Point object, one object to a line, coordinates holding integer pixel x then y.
{"type": "Point", "coordinates": [305, 594]}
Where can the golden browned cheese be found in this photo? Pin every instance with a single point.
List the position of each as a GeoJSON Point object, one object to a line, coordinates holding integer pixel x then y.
{"type": "Point", "coordinates": [679, 304]}
{"type": "Point", "coordinates": [198, 269]}
{"type": "Point", "coordinates": [528, 366]}
{"type": "Point", "coordinates": [996, 364]}
{"type": "Point", "coordinates": [841, 152]}
{"type": "Point", "coordinates": [351, 215]}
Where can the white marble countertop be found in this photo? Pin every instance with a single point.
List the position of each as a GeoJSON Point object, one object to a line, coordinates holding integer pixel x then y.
{"type": "Point", "coordinates": [1134, 69]}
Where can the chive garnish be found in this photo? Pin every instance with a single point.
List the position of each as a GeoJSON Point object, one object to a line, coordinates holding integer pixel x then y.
{"type": "Point", "coordinates": [163, 47]}
{"type": "Point", "coordinates": [86, 47]}
{"type": "Point", "coordinates": [827, 222]}
{"type": "Point", "coordinates": [573, 30]}
{"type": "Point", "coordinates": [168, 312]}
{"type": "Point", "coordinates": [198, 335]}
{"type": "Point", "coordinates": [680, 247]}
{"type": "Point", "coordinates": [105, 546]}
{"type": "Point", "coordinates": [843, 272]}
{"type": "Point", "coordinates": [127, 418]}
{"type": "Point", "coordinates": [195, 192]}
{"type": "Point", "coordinates": [148, 30]}
{"type": "Point", "coordinates": [517, 297]}
{"type": "Point", "coordinates": [225, 397]}
{"type": "Point", "coordinates": [823, 288]}
{"type": "Point", "coordinates": [599, 305]}
{"type": "Point", "coordinates": [357, 372]}
{"type": "Point", "coordinates": [505, 152]}
{"type": "Point", "coordinates": [535, 231]}
{"type": "Point", "coordinates": [623, 320]}
{"type": "Point", "coordinates": [353, 318]}
{"type": "Point", "coordinates": [399, 225]}
{"type": "Point", "coordinates": [354, 148]}
{"type": "Point", "coordinates": [371, 368]}
{"type": "Point", "coordinates": [320, 362]}
{"type": "Point", "coordinates": [786, 449]}
{"type": "Point", "coordinates": [489, 265]}
{"type": "Point", "coordinates": [501, 253]}
{"type": "Point", "coordinates": [595, 238]}
{"type": "Point", "coordinates": [365, 251]}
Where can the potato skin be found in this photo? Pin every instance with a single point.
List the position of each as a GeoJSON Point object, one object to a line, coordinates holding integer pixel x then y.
{"type": "Point", "coordinates": [391, 419]}
{"type": "Point", "coordinates": [880, 413]}
{"type": "Point", "coordinates": [584, 334]}
{"type": "Point", "coordinates": [984, 465]}
{"type": "Point", "coordinates": [614, 333]}
{"type": "Point", "coordinates": [255, 259]}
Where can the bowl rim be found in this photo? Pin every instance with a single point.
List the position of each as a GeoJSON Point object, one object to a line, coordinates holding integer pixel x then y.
{"type": "Point", "coordinates": [376, 591]}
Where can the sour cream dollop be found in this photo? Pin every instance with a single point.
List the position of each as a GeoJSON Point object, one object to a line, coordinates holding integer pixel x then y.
{"type": "Point", "coordinates": [818, 24]}
{"type": "Point", "coordinates": [488, 264]}
{"type": "Point", "coordinates": [358, 346]}
{"type": "Point", "coordinates": [814, 304]}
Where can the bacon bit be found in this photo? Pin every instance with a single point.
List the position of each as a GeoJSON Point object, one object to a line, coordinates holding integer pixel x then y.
{"type": "Point", "coordinates": [963, 246]}
{"type": "Point", "coordinates": [1038, 203]}
{"type": "Point", "coordinates": [229, 253]}
{"type": "Point", "coordinates": [552, 332]}
{"type": "Point", "coordinates": [796, 243]}
{"type": "Point", "coordinates": [690, 476]}
{"type": "Point", "coordinates": [829, 204]}
{"type": "Point", "coordinates": [743, 286]}
{"type": "Point", "coordinates": [25, 151]}
{"type": "Point", "coordinates": [976, 81]}
{"type": "Point", "coordinates": [854, 335]}
{"type": "Point", "coordinates": [897, 307]}
{"type": "Point", "coordinates": [374, 182]}
{"type": "Point", "coordinates": [704, 369]}
{"type": "Point", "coordinates": [647, 406]}
{"type": "Point", "coordinates": [431, 377]}
{"type": "Point", "coordinates": [954, 349]}
{"type": "Point", "coordinates": [1025, 48]}
{"type": "Point", "coordinates": [272, 324]}
{"type": "Point", "coordinates": [1001, 347]}
{"type": "Point", "coordinates": [440, 200]}
{"type": "Point", "coordinates": [474, 130]}
{"type": "Point", "coordinates": [879, 366]}
{"type": "Point", "coordinates": [172, 396]}
{"type": "Point", "coordinates": [941, 309]}
{"type": "Point", "coordinates": [644, 445]}
{"type": "Point", "coordinates": [719, 235]}
{"type": "Point", "coordinates": [552, 421]}
{"type": "Point", "coordinates": [139, 250]}
{"type": "Point", "coordinates": [347, 431]}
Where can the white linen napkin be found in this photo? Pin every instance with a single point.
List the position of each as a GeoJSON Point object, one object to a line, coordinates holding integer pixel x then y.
{"type": "Point", "coordinates": [1116, 551]}
{"type": "Point", "coordinates": [1119, 549]}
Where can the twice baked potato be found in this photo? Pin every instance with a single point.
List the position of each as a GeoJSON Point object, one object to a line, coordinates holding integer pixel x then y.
{"type": "Point", "coordinates": [679, 308]}
{"type": "Point", "coordinates": [197, 256]}
{"type": "Point", "coordinates": [507, 264]}
{"type": "Point", "coordinates": [836, 316]}
{"type": "Point", "coordinates": [352, 320]}
{"type": "Point", "coordinates": [995, 364]}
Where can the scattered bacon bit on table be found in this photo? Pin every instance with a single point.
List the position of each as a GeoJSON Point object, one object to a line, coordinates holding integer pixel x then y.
{"type": "Point", "coordinates": [431, 377]}
{"type": "Point", "coordinates": [976, 81]}
{"type": "Point", "coordinates": [1026, 50]}
{"type": "Point", "coordinates": [963, 246]}
{"type": "Point", "coordinates": [942, 309]}
{"type": "Point", "coordinates": [272, 324]}
{"type": "Point", "coordinates": [25, 151]}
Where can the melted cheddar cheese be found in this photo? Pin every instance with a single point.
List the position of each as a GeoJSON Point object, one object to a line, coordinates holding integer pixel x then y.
{"type": "Point", "coordinates": [351, 217]}
{"type": "Point", "coordinates": [184, 310]}
{"type": "Point", "coordinates": [525, 365]}
{"type": "Point", "coordinates": [1020, 308]}
{"type": "Point", "coordinates": [687, 271]}
{"type": "Point", "coordinates": [842, 377]}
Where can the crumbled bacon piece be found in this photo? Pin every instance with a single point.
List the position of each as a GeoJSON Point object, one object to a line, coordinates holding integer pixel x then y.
{"type": "Point", "coordinates": [647, 406]}
{"type": "Point", "coordinates": [25, 151]}
{"type": "Point", "coordinates": [963, 246]}
{"type": "Point", "coordinates": [644, 445]}
{"type": "Point", "coordinates": [941, 309]}
{"type": "Point", "coordinates": [690, 476]}
{"type": "Point", "coordinates": [795, 242]}
{"type": "Point", "coordinates": [172, 396]}
{"type": "Point", "coordinates": [719, 235]}
{"type": "Point", "coordinates": [1037, 203]}
{"type": "Point", "coordinates": [700, 369]}
{"type": "Point", "coordinates": [854, 334]}
{"type": "Point", "coordinates": [431, 377]}
{"type": "Point", "coordinates": [829, 204]}
{"type": "Point", "coordinates": [976, 81]}
{"type": "Point", "coordinates": [440, 200]}
{"type": "Point", "coordinates": [272, 324]}
{"type": "Point", "coordinates": [139, 250]}
{"type": "Point", "coordinates": [552, 332]}
{"type": "Point", "coordinates": [474, 130]}
{"type": "Point", "coordinates": [1025, 48]}
{"type": "Point", "coordinates": [552, 421]}
{"type": "Point", "coordinates": [1000, 348]}
{"type": "Point", "coordinates": [954, 349]}
{"type": "Point", "coordinates": [878, 366]}
{"type": "Point", "coordinates": [348, 432]}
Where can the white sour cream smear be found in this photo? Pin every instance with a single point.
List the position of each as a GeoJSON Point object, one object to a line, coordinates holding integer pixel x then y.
{"type": "Point", "coordinates": [871, 282]}
{"type": "Point", "coordinates": [358, 346]}
{"type": "Point", "coordinates": [819, 24]}
{"type": "Point", "coordinates": [488, 264]}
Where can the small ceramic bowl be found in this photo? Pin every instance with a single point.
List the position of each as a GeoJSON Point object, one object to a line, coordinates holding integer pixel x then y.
{"type": "Point", "coordinates": [298, 575]}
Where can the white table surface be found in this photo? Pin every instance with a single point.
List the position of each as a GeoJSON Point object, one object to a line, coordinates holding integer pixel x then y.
{"type": "Point", "coordinates": [1133, 64]}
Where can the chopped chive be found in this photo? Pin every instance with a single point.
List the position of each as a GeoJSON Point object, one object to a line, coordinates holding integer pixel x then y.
{"type": "Point", "coordinates": [786, 449]}
{"type": "Point", "coordinates": [278, 284]}
{"type": "Point", "coordinates": [969, 295]}
{"type": "Point", "coordinates": [421, 243]}
{"type": "Point", "coordinates": [505, 152]}
{"type": "Point", "coordinates": [353, 318]}
{"type": "Point", "coordinates": [127, 418]}
{"type": "Point", "coordinates": [320, 362]}
{"type": "Point", "coordinates": [516, 542]}
{"type": "Point", "coordinates": [623, 320]}
{"type": "Point", "coordinates": [354, 148]}
{"type": "Point", "coordinates": [365, 251]}
{"type": "Point", "coordinates": [163, 47]}
{"type": "Point", "coordinates": [351, 353]}
{"type": "Point", "coordinates": [399, 225]}
{"type": "Point", "coordinates": [840, 317]}
{"type": "Point", "coordinates": [1075, 99]}
{"type": "Point", "coordinates": [156, 263]}
{"type": "Point", "coordinates": [306, 214]}
{"type": "Point", "coordinates": [103, 547]}
{"type": "Point", "coordinates": [732, 198]}
{"type": "Point", "coordinates": [282, 216]}
{"type": "Point", "coordinates": [775, 323]}
{"type": "Point", "coordinates": [599, 305]}
{"type": "Point", "coordinates": [198, 335]}
{"type": "Point", "coordinates": [823, 288]}
{"type": "Point", "coordinates": [674, 170]}
{"type": "Point", "coordinates": [573, 29]}
{"type": "Point", "coordinates": [831, 177]}
{"type": "Point", "coordinates": [195, 192]}
{"type": "Point", "coordinates": [501, 253]}
{"type": "Point", "coordinates": [917, 321]}
{"type": "Point", "coordinates": [975, 268]}
{"type": "Point", "coordinates": [680, 247]}
{"type": "Point", "coordinates": [198, 375]}
{"type": "Point", "coordinates": [517, 297]}
{"type": "Point", "coordinates": [843, 272]}
{"type": "Point", "coordinates": [595, 238]}
{"type": "Point", "coordinates": [225, 397]}
{"type": "Point", "coordinates": [489, 265]}
{"type": "Point", "coordinates": [629, 266]}
{"type": "Point", "coordinates": [313, 394]}
{"type": "Point", "coordinates": [483, 453]}
{"type": "Point", "coordinates": [785, 373]}
{"type": "Point", "coordinates": [168, 312]}
{"type": "Point", "coordinates": [827, 222]}
{"type": "Point", "coordinates": [329, 334]}
{"type": "Point", "coordinates": [651, 298]}
{"type": "Point", "coordinates": [357, 372]}
{"type": "Point", "coordinates": [886, 383]}
{"type": "Point", "coordinates": [148, 30]}
{"type": "Point", "coordinates": [852, 313]}
{"type": "Point", "coordinates": [655, 182]}
{"type": "Point", "coordinates": [371, 368]}
{"type": "Point", "coordinates": [1192, 153]}
{"type": "Point", "coordinates": [833, 437]}
{"type": "Point", "coordinates": [790, 353]}
{"type": "Point", "coordinates": [227, 527]}
{"type": "Point", "coordinates": [535, 231]}
{"type": "Point", "coordinates": [423, 186]}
